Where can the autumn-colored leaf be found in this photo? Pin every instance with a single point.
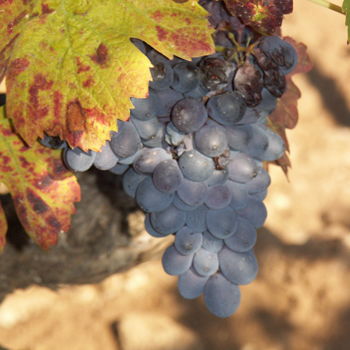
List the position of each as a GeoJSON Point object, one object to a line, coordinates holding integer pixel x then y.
{"type": "Point", "coordinates": [71, 67]}
{"type": "Point", "coordinates": [304, 62]}
{"type": "Point", "coordinates": [285, 116]}
{"type": "Point", "coordinates": [286, 113]}
{"type": "Point", "coordinates": [346, 9]}
{"type": "Point", "coordinates": [264, 16]}
{"type": "Point", "coordinates": [42, 189]}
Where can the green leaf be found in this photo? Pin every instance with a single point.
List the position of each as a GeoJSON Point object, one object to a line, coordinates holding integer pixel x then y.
{"type": "Point", "coordinates": [71, 67]}
{"type": "Point", "coordinates": [42, 189]}
{"type": "Point", "coordinates": [346, 9]}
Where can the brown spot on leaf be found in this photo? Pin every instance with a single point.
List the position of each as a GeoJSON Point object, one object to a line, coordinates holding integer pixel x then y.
{"type": "Point", "coordinates": [75, 116]}
{"type": "Point", "coordinates": [24, 162]}
{"type": "Point", "coordinates": [53, 222]}
{"type": "Point", "coordinates": [40, 84]}
{"type": "Point", "coordinates": [57, 170]}
{"type": "Point", "coordinates": [162, 33]}
{"type": "Point", "coordinates": [188, 21]}
{"type": "Point", "coordinates": [46, 9]}
{"type": "Point", "coordinates": [76, 122]}
{"type": "Point", "coordinates": [43, 182]}
{"type": "Point", "coordinates": [17, 66]}
{"type": "Point", "coordinates": [81, 66]}
{"type": "Point", "coordinates": [88, 82]}
{"type": "Point", "coordinates": [98, 115]}
{"type": "Point", "coordinates": [188, 44]}
{"type": "Point", "coordinates": [101, 55]}
{"type": "Point", "coordinates": [5, 160]}
{"type": "Point", "coordinates": [57, 104]}
{"type": "Point", "coordinates": [38, 205]}
{"type": "Point", "coordinates": [157, 16]}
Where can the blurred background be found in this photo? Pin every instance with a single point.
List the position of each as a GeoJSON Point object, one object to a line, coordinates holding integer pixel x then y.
{"type": "Point", "coordinates": [300, 300]}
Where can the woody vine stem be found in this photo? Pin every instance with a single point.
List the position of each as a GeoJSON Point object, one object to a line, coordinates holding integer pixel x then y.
{"type": "Point", "coordinates": [329, 5]}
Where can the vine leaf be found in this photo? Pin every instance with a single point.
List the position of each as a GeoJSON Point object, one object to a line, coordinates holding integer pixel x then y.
{"type": "Point", "coordinates": [71, 67]}
{"type": "Point", "coordinates": [42, 189]}
{"type": "Point", "coordinates": [285, 116]}
{"type": "Point", "coordinates": [346, 8]}
{"type": "Point", "coordinates": [264, 16]}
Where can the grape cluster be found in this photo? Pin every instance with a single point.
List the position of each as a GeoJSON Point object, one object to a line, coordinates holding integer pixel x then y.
{"type": "Point", "coordinates": [192, 155]}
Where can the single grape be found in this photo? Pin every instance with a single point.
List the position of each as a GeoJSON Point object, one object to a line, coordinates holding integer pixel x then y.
{"type": "Point", "coordinates": [216, 73]}
{"type": "Point", "coordinates": [211, 140]}
{"type": "Point", "coordinates": [191, 285]}
{"type": "Point", "coordinates": [167, 176]}
{"type": "Point", "coordinates": [222, 223]}
{"type": "Point", "coordinates": [187, 241]}
{"type": "Point", "coordinates": [195, 166]}
{"type": "Point", "coordinates": [238, 268]}
{"type": "Point", "coordinates": [186, 77]}
{"type": "Point", "coordinates": [241, 168]}
{"type": "Point", "coordinates": [205, 263]}
{"type": "Point", "coordinates": [189, 115]}
{"type": "Point", "coordinates": [227, 108]}
{"type": "Point", "coordinates": [175, 263]}
{"type": "Point", "coordinates": [169, 220]}
{"type": "Point", "coordinates": [106, 158]}
{"type": "Point", "coordinates": [78, 160]}
{"type": "Point", "coordinates": [126, 142]}
{"type": "Point", "coordinates": [221, 297]}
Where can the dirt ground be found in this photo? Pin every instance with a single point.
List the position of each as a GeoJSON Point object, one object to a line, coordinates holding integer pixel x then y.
{"type": "Point", "coordinates": [300, 300]}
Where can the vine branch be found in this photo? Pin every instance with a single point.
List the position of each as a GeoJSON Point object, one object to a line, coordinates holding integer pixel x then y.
{"type": "Point", "coordinates": [329, 5]}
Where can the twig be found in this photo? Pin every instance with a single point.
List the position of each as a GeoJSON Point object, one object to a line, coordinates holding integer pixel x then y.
{"type": "Point", "coordinates": [329, 5]}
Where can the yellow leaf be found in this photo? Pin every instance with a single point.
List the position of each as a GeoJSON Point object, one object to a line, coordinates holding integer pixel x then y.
{"type": "Point", "coordinates": [71, 67]}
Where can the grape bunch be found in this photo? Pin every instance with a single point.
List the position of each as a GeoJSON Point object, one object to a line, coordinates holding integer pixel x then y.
{"type": "Point", "coordinates": [192, 155]}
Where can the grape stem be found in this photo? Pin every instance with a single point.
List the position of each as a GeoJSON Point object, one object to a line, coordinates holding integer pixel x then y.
{"type": "Point", "coordinates": [329, 5]}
